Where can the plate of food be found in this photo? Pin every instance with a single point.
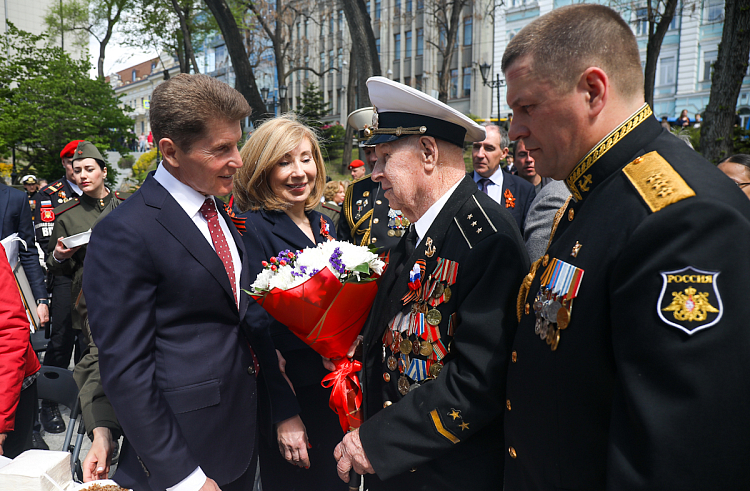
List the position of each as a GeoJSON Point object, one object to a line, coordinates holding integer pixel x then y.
{"type": "Point", "coordinates": [102, 485]}
{"type": "Point", "coordinates": [77, 239]}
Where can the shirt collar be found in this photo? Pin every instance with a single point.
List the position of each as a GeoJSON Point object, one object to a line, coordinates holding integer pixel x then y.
{"type": "Point", "coordinates": [496, 178]}
{"type": "Point", "coordinates": [425, 222]}
{"type": "Point", "coordinates": [74, 187]}
{"type": "Point", "coordinates": [188, 198]}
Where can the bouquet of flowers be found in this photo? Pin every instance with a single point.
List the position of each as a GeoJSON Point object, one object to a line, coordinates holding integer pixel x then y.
{"type": "Point", "coordinates": [323, 295]}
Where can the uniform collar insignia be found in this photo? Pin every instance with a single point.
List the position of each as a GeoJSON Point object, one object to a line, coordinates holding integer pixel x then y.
{"type": "Point", "coordinates": [579, 181]}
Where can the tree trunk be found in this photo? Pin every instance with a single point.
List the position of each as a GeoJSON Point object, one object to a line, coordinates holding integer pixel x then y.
{"type": "Point", "coordinates": [111, 21]}
{"type": "Point", "coordinates": [346, 158]}
{"type": "Point", "coordinates": [729, 70]}
{"type": "Point", "coordinates": [363, 46]}
{"type": "Point", "coordinates": [186, 38]}
{"type": "Point", "coordinates": [245, 84]}
{"type": "Point", "coordinates": [656, 33]}
{"type": "Point", "coordinates": [450, 44]}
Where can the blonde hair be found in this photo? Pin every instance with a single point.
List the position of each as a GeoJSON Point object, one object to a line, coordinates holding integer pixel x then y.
{"type": "Point", "coordinates": [266, 147]}
{"type": "Point", "coordinates": [331, 188]}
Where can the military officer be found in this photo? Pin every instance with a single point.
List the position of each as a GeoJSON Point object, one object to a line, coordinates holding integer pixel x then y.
{"type": "Point", "coordinates": [367, 219]}
{"type": "Point", "coordinates": [52, 196]}
{"type": "Point", "coordinates": [357, 169]}
{"type": "Point", "coordinates": [628, 369]}
{"type": "Point", "coordinates": [436, 348]}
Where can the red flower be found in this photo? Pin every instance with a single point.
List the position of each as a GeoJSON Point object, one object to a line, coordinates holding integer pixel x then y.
{"type": "Point", "coordinates": [265, 264]}
{"type": "Point", "coordinates": [282, 262]}
{"type": "Point", "coordinates": [273, 260]}
{"type": "Point", "coordinates": [273, 268]}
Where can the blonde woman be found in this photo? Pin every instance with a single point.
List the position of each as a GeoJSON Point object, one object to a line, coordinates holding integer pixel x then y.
{"type": "Point", "coordinates": [276, 190]}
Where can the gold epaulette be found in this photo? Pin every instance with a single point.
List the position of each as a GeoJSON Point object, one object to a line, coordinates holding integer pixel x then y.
{"type": "Point", "coordinates": [66, 206]}
{"type": "Point", "coordinates": [346, 206]}
{"type": "Point", "coordinates": [54, 187]}
{"type": "Point", "coordinates": [656, 181]}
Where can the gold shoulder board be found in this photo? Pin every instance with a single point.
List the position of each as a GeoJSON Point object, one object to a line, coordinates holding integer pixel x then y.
{"type": "Point", "coordinates": [656, 181]}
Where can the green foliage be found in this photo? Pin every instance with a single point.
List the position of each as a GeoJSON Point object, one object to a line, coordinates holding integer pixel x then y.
{"type": "Point", "coordinates": [312, 108]}
{"type": "Point", "coordinates": [741, 140]}
{"type": "Point", "coordinates": [47, 99]}
{"type": "Point", "coordinates": [146, 163]}
{"type": "Point", "coordinates": [126, 162]}
{"type": "Point", "coordinates": [72, 16]}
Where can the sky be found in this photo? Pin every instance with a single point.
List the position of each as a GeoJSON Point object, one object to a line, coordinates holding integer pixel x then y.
{"type": "Point", "coordinates": [117, 56]}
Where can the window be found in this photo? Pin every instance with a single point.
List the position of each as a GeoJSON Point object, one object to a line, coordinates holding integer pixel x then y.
{"type": "Point", "coordinates": [407, 81]}
{"type": "Point", "coordinates": [408, 5]}
{"type": "Point", "coordinates": [330, 24]}
{"type": "Point", "coordinates": [377, 9]}
{"type": "Point", "coordinates": [667, 71]}
{"type": "Point", "coordinates": [418, 82]}
{"type": "Point", "coordinates": [307, 24]}
{"type": "Point", "coordinates": [441, 37]}
{"type": "Point", "coordinates": [298, 27]}
{"type": "Point", "coordinates": [407, 52]}
{"type": "Point", "coordinates": [134, 76]}
{"type": "Point", "coordinates": [397, 7]}
{"type": "Point", "coordinates": [330, 101]}
{"type": "Point", "coordinates": [367, 4]}
{"type": "Point", "coordinates": [467, 82]}
{"type": "Point", "coordinates": [341, 20]}
{"type": "Point", "coordinates": [420, 4]}
{"type": "Point", "coordinates": [341, 58]}
{"type": "Point", "coordinates": [467, 30]}
{"type": "Point", "coordinates": [322, 61]}
{"type": "Point", "coordinates": [715, 11]}
{"type": "Point", "coordinates": [330, 59]}
{"type": "Point", "coordinates": [420, 42]}
{"type": "Point", "coordinates": [641, 21]}
{"type": "Point", "coordinates": [153, 67]}
{"type": "Point", "coordinates": [377, 45]}
{"type": "Point", "coordinates": [709, 58]}
{"type": "Point", "coordinates": [307, 65]}
{"type": "Point", "coordinates": [397, 46]}
{"type": "Point", "coordinates": [454, 84]}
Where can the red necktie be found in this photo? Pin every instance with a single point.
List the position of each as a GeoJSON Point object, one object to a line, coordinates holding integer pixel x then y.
{"type": "Point", "coordinates": [208, 210]}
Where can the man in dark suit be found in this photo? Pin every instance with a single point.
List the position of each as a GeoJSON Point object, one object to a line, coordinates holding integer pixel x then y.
{"type": "Point", "coordinates": [163, 278]}
{"type": "Point", "coordinates": [437, 343]}
{"type": "Point", "coordinates": [629, 369]}
{"type": "Point", "coordinates": [512, 192]}
{"type": "Point", "coordinates": [15, 217]}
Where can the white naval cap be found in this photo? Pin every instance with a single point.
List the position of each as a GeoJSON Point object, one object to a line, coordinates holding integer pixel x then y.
{"type": "Point", "coordinates": [400, 110]}
{"type": "Point", "coordinates": [361, 119]}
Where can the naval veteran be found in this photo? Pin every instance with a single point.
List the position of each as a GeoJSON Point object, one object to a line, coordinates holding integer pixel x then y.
{"type": "Point", "coordinates": [367, 218]}
{"type": "Point", "coordinates": [629, 368]}
{"type": "Point", "coordinates": [437, 343]}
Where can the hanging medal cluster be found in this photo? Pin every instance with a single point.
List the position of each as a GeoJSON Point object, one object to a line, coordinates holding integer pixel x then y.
{"type": "Point", "coordinates": [412, 344]}
{"type": "Point", "coordinates": [397, 223]}
{"type": "Point", "coordinates": [553, 304]}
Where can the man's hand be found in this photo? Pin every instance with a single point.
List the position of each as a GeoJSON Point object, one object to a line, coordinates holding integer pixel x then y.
{"type": "Point", "coordinates": [61, 253]}
{"type": "Point", "coordinates": [293, 444]}
{"type": "Point", "coordinates": [210, 485]}
{"type": "Point", "coordinates": [330, 366]}
{"type": "Point", "coordinates": [3, 436]}
{"type": "Point", "coordinates": [350, 454]}
{"type": "Point", "coordinates": [98, 460]}
{"type": "Point", "coordinates": [42, 310]}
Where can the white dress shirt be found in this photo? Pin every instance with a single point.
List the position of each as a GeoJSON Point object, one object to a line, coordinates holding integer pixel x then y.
{"type": "Point", "coordinates": [425, 222]}
{"type": "Point", "coordinates": [495, 186]}
{"type": "Point", "coordinates": [74, 187]}
{"type": "Point", "coordinates": [191, 201]}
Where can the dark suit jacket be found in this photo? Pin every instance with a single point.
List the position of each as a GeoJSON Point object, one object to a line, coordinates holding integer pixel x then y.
{"type": "Point", "coordinates": [476, 233]}
{"type": "Point", "coordinates": [173, 361]}
{"type": "Point", "coordinates": [15, 216]}
{"type": "Point", "coordinates": [523, 194]}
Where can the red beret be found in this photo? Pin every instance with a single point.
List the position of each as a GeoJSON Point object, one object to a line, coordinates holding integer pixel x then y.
{"type": "Point", "coordinates": [69, 149]}
{"type": "Point", "coordinates": [356, 163]}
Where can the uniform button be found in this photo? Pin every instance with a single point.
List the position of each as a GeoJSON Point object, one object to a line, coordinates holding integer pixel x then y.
{"type": "Point", "coordinates": [512, 452]}
{"type": "Point", "coordinates": [387, 377]}
{"type": "Point", "coordinates": [514, 356]}
{"type": "Point", "coordinates": [374, 239]}
{"type": "Point", "coordinates": [507, 404]}
{"type": "Point", "coordinates": [378, 202]}
{"type": "Point", "coordinates": [386, 404]}
{"type": "Point", "coordinates": [413, 469]}
{"type": "Point", "coordinates": [571, 214]}
{"type": "Point", "coordinates": [375, 220]}
{"type": "Point", "coordinates": [251, 370]}
{"type": "Point", "coordinates": [526, 309]}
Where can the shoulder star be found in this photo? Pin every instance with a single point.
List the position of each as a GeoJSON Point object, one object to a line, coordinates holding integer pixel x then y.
{"type": "Point", "coordinates": [454, 414]}
{"type": "Point", "coordinates": [470, 216]}
{"type": "Point", "coordinates": [464, 426]}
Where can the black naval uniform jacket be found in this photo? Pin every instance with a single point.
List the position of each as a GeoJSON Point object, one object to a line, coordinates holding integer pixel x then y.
{"type": "Point", "coordinates": [447, 432]}
{"type": "Point", "coordinates": [649, 385]}
{"type": "Point", "coordinates": [57, 193]}
{"type": "Point", "coordinates": [364, 218]}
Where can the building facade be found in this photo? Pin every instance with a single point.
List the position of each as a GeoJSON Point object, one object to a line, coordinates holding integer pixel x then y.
{"type": "Point", "coordinates": [29, 16]}
{"type": "Point", "coordinates": [683, 72]}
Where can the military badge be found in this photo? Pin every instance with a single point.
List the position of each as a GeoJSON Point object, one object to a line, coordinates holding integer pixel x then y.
{"type": "Point", "coordinates": [47, 214]}
{"type": "Point", "coordinates": [62, 196]}
{"type": "Point", "coordinates": [689, 299]}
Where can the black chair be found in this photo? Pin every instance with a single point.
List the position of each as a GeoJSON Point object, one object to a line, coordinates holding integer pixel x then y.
{"type": "Point", "coordinates": [57, 384]}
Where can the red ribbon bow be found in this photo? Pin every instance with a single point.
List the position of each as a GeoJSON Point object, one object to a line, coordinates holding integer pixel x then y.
{"type": "Point", "coordinates": [346, 393]}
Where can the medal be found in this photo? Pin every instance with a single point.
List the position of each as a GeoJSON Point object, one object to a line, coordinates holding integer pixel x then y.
{"type": "Point", "coordinates": [425, 348]}
{"type": "Point", "coordinates": [391, 232]}
{"type": "Point", "coordinates": [435, 369]}
{"type": "Point", "coordinates": [414, 387]}
{"type": "Point", "coordinates": [438, 291]}
{"type": "Point", "coordinates": [405, 346]}
{"type": "Point", "coordinates": [434, 317]}
{"type": "Point", "coordinates": [563, 318]}
{"type": "Point", "coordinates": [403, 385]}
{"type": "Point", "coordinates": [447, 294]}
{"type": "Point", "coordinates": [415, 347]}
{"type": "Point", "coordinates": [392, 363]}
{"type": "Point", "coordinates": [387, 377]}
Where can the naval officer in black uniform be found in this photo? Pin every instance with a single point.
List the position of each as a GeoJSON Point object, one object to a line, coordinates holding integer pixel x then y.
{"type": "Point", "coordinates": [367, 219]}
{"type": "Point", "coordinates": [629, 368]}
{"type": "Point", "coordinates": [437, 343]}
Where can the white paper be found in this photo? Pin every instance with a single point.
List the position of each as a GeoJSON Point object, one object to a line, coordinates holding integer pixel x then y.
{"type": "Point", "coordinates": [77, 239]}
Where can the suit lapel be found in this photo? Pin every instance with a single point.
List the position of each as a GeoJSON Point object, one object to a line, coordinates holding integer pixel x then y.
{"type": "Point", "coordinates": [286, 229]}
{"type": "Point", "coordinates": [174, 219]}
{"type": "Point", "coordinates": [4, 199]}
{"type": "Point", "coordinates": [245, 279]}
